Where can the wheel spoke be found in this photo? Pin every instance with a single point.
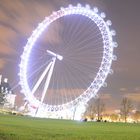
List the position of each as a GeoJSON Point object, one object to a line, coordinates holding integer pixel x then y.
{"type": "Point", "coordinates": [41, 78]}
{"type": "Point", "coordinates": [48, 79]}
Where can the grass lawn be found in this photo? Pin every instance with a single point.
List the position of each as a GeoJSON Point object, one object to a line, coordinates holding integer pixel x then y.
{"type": "Point", "coordinates": [26, 128]}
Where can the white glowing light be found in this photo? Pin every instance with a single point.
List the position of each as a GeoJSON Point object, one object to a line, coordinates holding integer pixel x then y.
{"type": "Point", "coordinates": [103, 15]}
{"type": "Point", "coordinates": [87, 6]}
{"type": "Point", "coordinates": [79, 5]}
{"type": "Point", "coordinates": [111, 71]}
{"type": "Point", "coordinates": [70, 6]}
{"type": "Point", "coordinates": [95, 9]}
{"type": "Point", "coordinates": [105, 84]}
{"type": "Point", "coordinates": [55, 55]}
{"type": "Point", "coordinates": [115, 44]}
{"type": "Point", "coordinates": [105, 66]}
{"type": "Point", "coordinates": [114, 57]}
{"type": "Point", "coordinates": [59, 57]}
{"type": "Point", "coordinates": [113, 32]}
{"type": "Point", "coordinates": [109, 23]}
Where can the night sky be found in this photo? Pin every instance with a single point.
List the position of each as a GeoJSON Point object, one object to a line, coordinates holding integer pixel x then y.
{"type": "Point", "coordinates": [18, 18]}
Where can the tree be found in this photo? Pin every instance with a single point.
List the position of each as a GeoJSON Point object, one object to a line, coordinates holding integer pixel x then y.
{"type": "Point", "coordinates": [90, 109]}
{"type": "Point", "coordinates": [114, 117]}
{"type": "Point", "coordinates": [5, 90]}
{"type": "Point", "coordinates": [2, 96]}
{"type": "Point", "coordinates": [126, 108]}
{"type": "Point", "coordinates": [138, 107]}
{"type": "Point", "coordinates": [95, 108]}
{"type": "Point", "coordinates": [136, 116]}
{"type": "Point", "coordinates": [99, 108]}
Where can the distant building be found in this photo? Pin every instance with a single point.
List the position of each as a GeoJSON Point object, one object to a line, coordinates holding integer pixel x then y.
{"type": "Point", "coordinates": [8, 94]}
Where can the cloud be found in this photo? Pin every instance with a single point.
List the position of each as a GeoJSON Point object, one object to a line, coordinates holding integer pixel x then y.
{"type": "Point", "coordinates": [6, 37]}
{"type": "Point", "coordinates": [137, 89]}
{"type": "Point", "coordinates": [17, 21]}
{"type": "Point", "coordinates": [133, 96]}
{"type": "Point", "coordinates": [123, 89]}
{"type": "Point", "coordinates": [22, 18]}
{"type": "Point", "coordinates": [105, 96]}
{"type": "Point", "coordinates": [2, 63]}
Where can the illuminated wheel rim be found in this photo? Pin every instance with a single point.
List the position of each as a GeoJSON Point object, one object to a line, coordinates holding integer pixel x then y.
{"type": "Point", "coordinates": [103, 71]}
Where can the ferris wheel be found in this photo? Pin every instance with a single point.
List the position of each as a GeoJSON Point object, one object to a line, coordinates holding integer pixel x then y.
{"type": "Point", "coordinates": [67, 58]}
